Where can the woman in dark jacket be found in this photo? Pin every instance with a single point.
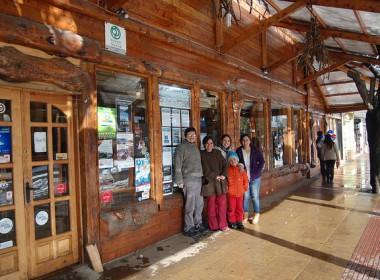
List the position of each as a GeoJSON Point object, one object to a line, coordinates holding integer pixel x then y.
{"type": "Point", "coordinates": [253, 160]}
{"type": "Point", "coordinates": [214, 185]}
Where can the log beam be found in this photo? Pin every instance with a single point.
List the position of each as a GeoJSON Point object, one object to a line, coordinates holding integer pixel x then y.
{"type": "Point", "coordinates": [264, 50]}
{"type": "Point", "coordinates": [257, 28]}
{"type": "Point", "coordinates": [346, 108]}
{"type": "Point", "coordinates": [336, 83]}
{"type": "Point", "coordinates": [362, 88]}
{"type": "Point", "coordinates": [16, 66]}
{"type": "Point", "coordinates": [341, 94]}
{"type": "Point", "coordinates": [367, 5]}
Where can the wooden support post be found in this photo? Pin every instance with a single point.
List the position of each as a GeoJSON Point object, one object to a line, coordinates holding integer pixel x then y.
{"type": "Point", "coordinates": [223, 112]}
{"type": "Point", "coordinates": [264, 52]}
{"type": "Point", "coordinates": [308, 128]}
{"type": "Point", "coordinates": [237, 103]}
{"type": "Point", "coordinates": [230, 118]}
{"type": "Point", "coordinates": [218, 27]}
{"type": "Point", "coordinates": [268, 135]}
{"type": "Point", "coordinates": [195, 109]}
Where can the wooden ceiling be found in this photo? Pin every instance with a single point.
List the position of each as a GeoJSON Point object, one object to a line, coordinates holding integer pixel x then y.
{"type": "Point", "coordinates": [351, 32]}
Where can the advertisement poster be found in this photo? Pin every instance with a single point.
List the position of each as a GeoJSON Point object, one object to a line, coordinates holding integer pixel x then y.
{"type": "Point", "coordinates": [167, 163]}
{"type": "Point", "coordinates": [167, 189]}
{"type": "Point", "coordinates": [105, 151]}
{"type": "Point", "coordinates": [124, 150]}
{"type": "Point", "coordinates": [185, 118]}
{"type": "Point", "coordinates": [166, 136]}
{"type": "Point", "coordinates": [175, 97]}
{"type": "Point", "coordinates": [123, 117]}
{"type": "Point", "coordinates": [142, 171]}
{"type": "Point", "coordinates": [165, 117]}
{"type": "Point", "coordinates": [5, 144]}
{"type": "Point", "coordinates": [176, 136]}
{"type": "Point", "coordinates": [176, 117]}
{"type": "Point", "coordinates": [6, 187]}
{"type": "Point", "coordinates": [106, 123]}
{"type": "Point", "coordinates": [39, 141]}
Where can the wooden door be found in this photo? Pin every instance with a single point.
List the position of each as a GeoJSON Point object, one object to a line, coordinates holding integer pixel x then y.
{"type": "Point", "coordinates": [47, 188]}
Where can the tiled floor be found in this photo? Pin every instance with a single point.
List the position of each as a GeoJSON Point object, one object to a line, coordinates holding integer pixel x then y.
{"type": "Point", "coordinates": [319, 232]}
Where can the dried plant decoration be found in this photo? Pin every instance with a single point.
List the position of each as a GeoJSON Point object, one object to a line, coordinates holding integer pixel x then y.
{"type": "Point", "coordinates": [314, 48]}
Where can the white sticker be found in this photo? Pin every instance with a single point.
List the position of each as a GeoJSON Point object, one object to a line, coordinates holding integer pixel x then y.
{"type": "Point", "coordinates": [42, 218]}
{"type": "Point", "coordinates": [39, 142]}
{"type": "Point", "coordinates": [6, 225]}
{"type": "Point", "coordinates": [6, 244]}
{"type": "Point", "coordinates": [2, 108]}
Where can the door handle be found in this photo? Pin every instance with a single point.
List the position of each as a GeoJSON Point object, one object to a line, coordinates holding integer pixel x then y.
{"type": "Point", "coordinates": [28, 188]}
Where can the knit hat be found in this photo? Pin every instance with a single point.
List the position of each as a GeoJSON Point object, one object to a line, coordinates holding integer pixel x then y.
{"type": "Point", "coordinates": [232, 154]}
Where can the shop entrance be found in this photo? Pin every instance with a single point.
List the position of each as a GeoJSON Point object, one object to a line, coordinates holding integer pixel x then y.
{"type": "Point", "coordinates": [38, 229]}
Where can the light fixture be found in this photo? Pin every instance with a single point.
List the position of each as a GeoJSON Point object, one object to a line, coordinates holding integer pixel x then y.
{"type": "Point", "coordinates": [121, 13]}
{"type": "Point", "coordinates": [140, 89]}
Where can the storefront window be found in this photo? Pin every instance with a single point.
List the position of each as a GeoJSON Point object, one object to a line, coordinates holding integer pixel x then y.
{"type": "Point", "coordinates": [279, 135]}
{"type": "Point", "coordinates": [297, 136]}
{"type": "Point", "coordinates": [123, 147]}
{"type": "Point", "coordinates": [175, 105]}
{"type": "Point", "coordinates": [210, 117]}
{"type": "Point", "coordinates": [252, 121]}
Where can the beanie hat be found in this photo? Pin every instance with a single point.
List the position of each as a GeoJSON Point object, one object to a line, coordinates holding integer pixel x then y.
{"type": "Point", "coordinates": [232, 154]}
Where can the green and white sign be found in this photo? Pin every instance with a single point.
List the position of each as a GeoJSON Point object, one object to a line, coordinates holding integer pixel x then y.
{"type": "Point", "coordinates": [116, 38]}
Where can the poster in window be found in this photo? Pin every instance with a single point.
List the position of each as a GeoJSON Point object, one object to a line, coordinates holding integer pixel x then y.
{"type": "Point", "coordinates": [175, 97]}
{"type": "Point", "coordinates": [142, 172]}
{"type": "Point", "coordinates": [166, 136]}
{"type": "Point", "coordinates": [167, 189]}
{"type": "Point", "coordinates": [165, 117]}
{"type": "Point", "coordinates": [39, 140]}
{"type": "Point", "coordinates": [105, 151]}
{"type": "Point", "coordinates": [124, 150]}
{"type": "Point", "coordinates": [106, 123]}
{"type": "Point", "coordinates": [176, 131]}
{"type": "Point", "coordinates": [6, 187]}
{"type": "Point", "coordinates": [141, 147]}
{"type": "Point", "coordinates": [176, 117]}
{"type": "Point", "coordinates": [167, 163]}
{"type": "Point", "coordinates": [185, 118]}
{"type": "Point", "coordinates": [122, 116]}
{"type": "Point", "coordinates": [5, 144]}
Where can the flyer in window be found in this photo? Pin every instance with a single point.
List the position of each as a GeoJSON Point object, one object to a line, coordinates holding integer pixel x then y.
{"type": "Point", "coordinates": [123, 117]}
{"type": "Point", "coordinates": [142, 171]}
{"type": "Point", "coordinates": [5, 144]}
{"type": "Point", "coordinates": [105, 151]}
{"type": "Point", "coordinates": [185, 118]}
{"type": "Point", "coordinates": [106, 123]}
{"type": "Point", "coordinates": [124, 150]}
{"type": "Point", "coordinates": [165, 117]}
{"type": "Point", "coordinates": [166, 136]}
{"type": "Point", "coordinates": [167, 163]}
{"type": "Point", "coordinates": [176, 97]}
{"type": "Point", "coordinates": [167, 189]}
{"type": "Point", "coordinates": [39, 140]}
{"type": "Point", "coordinates": [176, 117]}
{"type": "Point", "coordinates": [176, 136]}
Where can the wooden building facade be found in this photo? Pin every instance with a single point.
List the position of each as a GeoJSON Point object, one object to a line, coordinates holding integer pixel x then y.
{"type": "Point", "coordinates": [90, 134]}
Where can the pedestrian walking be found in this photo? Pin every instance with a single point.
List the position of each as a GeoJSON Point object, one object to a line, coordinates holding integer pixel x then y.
{"type": "Point", "coordinates": [319, 144]}
{"type": "Point", "coordinates": [330, 155]}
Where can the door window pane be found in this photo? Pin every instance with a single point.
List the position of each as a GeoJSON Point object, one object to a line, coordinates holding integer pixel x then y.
{"type": "Point", "coordinates": [62, 216]}
{"type": "Point", "coordinates": [5, 144]}
{"type": "Point", "coordinates": [61, 179]}
{"type": "Point", "coordinates": [6, 186]}
{"type": "Point", "coordinates": [42, 219]}
{"type": "Point", "coordinates": [60, 143]}
{"type": "Point", "coordinates": [38, 112]}
{"type": "Point", "coordinates": [7, 229]}
{"type": "Point", "coordinates": [40, 182]}
{"type": "Point", "coordinates": [5, 110]}
{"type": "Point", "coordinates": [57, 116]}
{"type": "Point", "coordinates": [279, 135]}
{"type": "Point", "coordinates": [210, 116]}
{"type": "Point", "coordinates": [39, 143]}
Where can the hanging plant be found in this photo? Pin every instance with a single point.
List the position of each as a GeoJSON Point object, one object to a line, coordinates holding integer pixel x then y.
{"type": "Point", "coordinates": [314, 48]}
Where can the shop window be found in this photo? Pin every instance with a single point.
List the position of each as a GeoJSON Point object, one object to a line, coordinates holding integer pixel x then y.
{"type": "Point", "coordinates": [210, 117]}
{"type": "Point", "coordinates": [279, 128]}
{"type": "Point", "coordinates": [297, 136]}
{"type": "Point", "coordinates": [252, 121]}
{"type": "Point", "coordinates": [123, 147]}
{"type": "Point", "coordinates": [175, 105]}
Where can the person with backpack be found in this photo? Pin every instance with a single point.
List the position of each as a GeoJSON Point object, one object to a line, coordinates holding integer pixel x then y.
{"type": "Point", "coordinates": [319, 144]}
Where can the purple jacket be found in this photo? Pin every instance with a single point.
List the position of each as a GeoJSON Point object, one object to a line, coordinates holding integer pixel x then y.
{"type": "Point", "coordinates": [256, 164]}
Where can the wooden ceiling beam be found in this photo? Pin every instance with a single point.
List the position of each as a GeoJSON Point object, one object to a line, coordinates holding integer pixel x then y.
{"type": "Point", "coordinates": [341, 94]}
{"type": "Point", "coordinates": [322, 94]}
{"type": "Point", "coordinates": [346, 108]}
{"type": "Point", "coordinates": [296, 53]}
{"type": "Point", "coordinates": [364, 30]}
{"type": "Point", "coordinates": [337, 83]}
{"type": "Point", "coordinates": [330, 32]}
{"type": "Point", "coordinates": [321, 72]}
{"type": "Point", "coordinates": [367, 5]}
{"type": "Point", "coordinates": [262, 25]}
{"type": "Point", "coordinates": [353, 57]}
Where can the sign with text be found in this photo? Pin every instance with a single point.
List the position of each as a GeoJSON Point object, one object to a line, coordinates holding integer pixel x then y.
{"type": "Point", "coordinates": [116, 38]}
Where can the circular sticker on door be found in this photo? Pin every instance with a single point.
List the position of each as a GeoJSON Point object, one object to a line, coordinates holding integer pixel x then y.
{"type": "Point", "coordinates": [42, 218]}
{"type": "Point", "coordinates": [6, 225]}
{"type": "Point", "coordinates": [2, 108]}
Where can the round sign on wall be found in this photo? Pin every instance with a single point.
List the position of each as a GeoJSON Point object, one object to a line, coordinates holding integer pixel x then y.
{"type": "Point", "coordinates": [42, 218]}
{"type": "Point", "coordinates": [6, 225]}
{"type": "Point", "coordinates": [3, 108]}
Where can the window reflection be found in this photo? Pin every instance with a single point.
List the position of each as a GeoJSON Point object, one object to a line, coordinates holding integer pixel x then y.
{"type": "Point", "coordinates": [210, 116]}
{"type": "Point", "coordinates": [279, 126]}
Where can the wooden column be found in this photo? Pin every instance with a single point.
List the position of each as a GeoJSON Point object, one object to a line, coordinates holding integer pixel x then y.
{"type": "Point", "coordinates": [237, 103]}
{"type": "Point", "coordinates": [264, 52]}
{"type": "Point", "coordinates": [308, 128]}
{"type": "Point", "coordinates": [223, 113]}
{"type": "Point", "coordinates": [290, 142]}
{"type": "Point", "coordinates": [268, 136]}
{"type": "Point", "coordinates": [195, 109]}
{"type": "Point", "coordinates": [230, 118]}
{"type": "Point", "coordinates": [88, 147]}
{"type": "Point", "coordinates": [155, 138]}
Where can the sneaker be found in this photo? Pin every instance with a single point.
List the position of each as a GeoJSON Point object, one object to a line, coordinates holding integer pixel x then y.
{"type": "Point", "coordinates": [200, 228]}
{"type": "Point", "coordinates": [240, 225]}
{"type": "Point", "coordinates": [191, 232]}
{"type": "Point", "coordinates": [256, 219]}
{"type": "Point", "coordinates": [245, 219]}
{"type": "Point", "coordinates": [233, 226]}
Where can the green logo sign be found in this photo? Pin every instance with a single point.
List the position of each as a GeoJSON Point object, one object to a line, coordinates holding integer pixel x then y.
{"type": "Point", "coordinates": [115, 32]}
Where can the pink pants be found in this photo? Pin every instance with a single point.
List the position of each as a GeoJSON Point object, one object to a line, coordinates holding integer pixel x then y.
{"type": "Point", "coordinates": [235, 209]}
{"type": "Point", "coordinates": [217, 211]}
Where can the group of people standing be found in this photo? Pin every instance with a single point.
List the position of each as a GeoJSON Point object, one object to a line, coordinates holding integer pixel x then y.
{"type": "Point", "coordinates": [328, 155]}
{"type": "Point", "coordinates": [228, 180]}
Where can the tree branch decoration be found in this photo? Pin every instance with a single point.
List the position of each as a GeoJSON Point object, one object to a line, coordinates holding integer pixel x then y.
{"type": "Point", "coordinates": [226, 11]}
{"type": "Point", "coordinates": [314, 48]}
